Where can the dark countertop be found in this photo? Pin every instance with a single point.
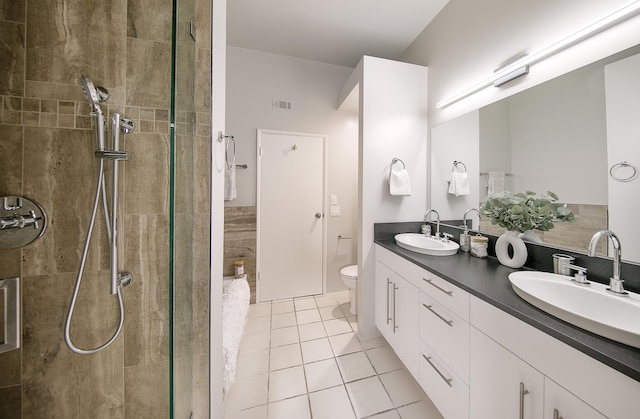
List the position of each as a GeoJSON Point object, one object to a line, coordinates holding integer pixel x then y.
{"type": "Point", "coordinates": [488, 280]}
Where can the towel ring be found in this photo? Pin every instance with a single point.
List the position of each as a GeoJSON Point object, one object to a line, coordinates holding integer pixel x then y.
{"type": "Point", "coordinates": [455, 165]}
{"type": "Point", "coordinates": [394, 161]}
{"type": "Point", "coordinates": [622, 165]}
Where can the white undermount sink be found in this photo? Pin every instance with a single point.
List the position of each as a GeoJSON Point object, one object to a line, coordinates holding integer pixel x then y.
{"type": "Point", "coordinates": [591, 307]}
{"type": "Point", "coordinates": [420, 243]}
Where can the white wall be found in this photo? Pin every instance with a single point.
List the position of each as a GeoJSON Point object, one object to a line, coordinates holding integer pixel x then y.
{"type": "Point", "coordinates": [469, 39]}
{"type": "Point", "coordinates": [455, 140]}
{"type": "Point", "coordinates": [393, 123]}
{"type": "Point", "coordinates": [254, 79]}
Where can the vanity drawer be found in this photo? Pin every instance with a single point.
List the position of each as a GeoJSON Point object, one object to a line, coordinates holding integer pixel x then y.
{"type": "Point", "coordinates": [445, 293]}
{"type": "Point", "coordinates": [447, 334]}
{"type": "Point", "coordinates": [447, 391]}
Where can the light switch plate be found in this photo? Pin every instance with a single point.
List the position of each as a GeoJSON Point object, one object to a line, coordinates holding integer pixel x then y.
{"type": "Point", "coordinates": [335, 210]}
{"type": "Point", "coordinates": [334, 199]}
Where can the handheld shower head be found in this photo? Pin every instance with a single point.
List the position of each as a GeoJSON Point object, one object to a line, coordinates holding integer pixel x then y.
{"type": "Point", "coordinates": [94, 94]}
{"type": "Point", "coordinates": [89, 91]}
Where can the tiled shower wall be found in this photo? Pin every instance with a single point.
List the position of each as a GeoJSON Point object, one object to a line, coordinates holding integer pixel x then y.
{"type": "Point", "coordinates": [46, 154]}
{"type": "Point", "coordinates": [240, 242]}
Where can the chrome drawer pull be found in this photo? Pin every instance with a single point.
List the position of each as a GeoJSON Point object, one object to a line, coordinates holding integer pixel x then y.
{"type": "Point", "coordinates": [428, 307]}
{"type": "Point", "coordinates": [446, 380]}
{"type": "Point", "coordinates": [523, 393]}
{"type": "Point", "coordinates": [388, 317]}
{"type": "Point", "coordinates": [395, 303]}
{"type": "Point", "coordinates": [449, 293]}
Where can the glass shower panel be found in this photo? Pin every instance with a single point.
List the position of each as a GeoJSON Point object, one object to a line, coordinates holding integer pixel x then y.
{"type": "Point", "coordinates": [182, 207]}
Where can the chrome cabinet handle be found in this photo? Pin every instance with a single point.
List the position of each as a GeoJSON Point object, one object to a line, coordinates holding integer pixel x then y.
{"type": "Point", "coordinates": [395, 304]}
{"type": "Point", "coordinates": [388, 316]}
{"type": "Point", "coordinates": [428, 307]}
{"type": "Point", "coordinates": [446, 380]}
{"type": "Point", "coordinates": [449, 293]}
{"type": "Point", "coordinates": [556, 414]}
{"type": "Point", "coordinates": [523, 392]}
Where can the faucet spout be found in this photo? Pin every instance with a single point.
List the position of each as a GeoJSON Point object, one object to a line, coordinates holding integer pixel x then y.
{"type": "Point", "coordinates": [616, 284]}
{"type": "Point", "coordinates": [464, 218]}
{"type": "Point", "coordinates": [425, 218]}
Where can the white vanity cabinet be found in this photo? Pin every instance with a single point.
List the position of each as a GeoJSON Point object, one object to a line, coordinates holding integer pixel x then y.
{"type": "Point", "coordinates": [476, 361]}
{"type": "Point", "coordinates": [396, 314]}
{"type": "Point", "coordinates": [506, 351]}
{"type": "Point", "coordinates": [561, 404]}
{"type": "Point", "coordinates": [502, 385]}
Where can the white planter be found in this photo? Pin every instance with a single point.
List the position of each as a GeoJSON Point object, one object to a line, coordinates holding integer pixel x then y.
{"type": "Point", "coordinates": [530, 236]}
{"type": "Point", "coordinates": [519, 250]}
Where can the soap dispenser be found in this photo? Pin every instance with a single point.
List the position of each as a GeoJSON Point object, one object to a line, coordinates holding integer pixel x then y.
{"type": "Point", "coordinates": [465, 240]}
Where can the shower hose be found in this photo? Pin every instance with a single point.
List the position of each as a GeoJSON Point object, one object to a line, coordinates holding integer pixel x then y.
{"type": "Point", "coordinates": [100, 187]}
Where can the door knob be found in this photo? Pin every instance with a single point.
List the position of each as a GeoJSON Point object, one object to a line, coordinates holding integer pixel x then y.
{"type": "Point", "coordinates": [318, 215]}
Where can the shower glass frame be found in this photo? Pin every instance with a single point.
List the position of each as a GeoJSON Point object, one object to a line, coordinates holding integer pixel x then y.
{"type": "Point", "coordinates": [181, 209]}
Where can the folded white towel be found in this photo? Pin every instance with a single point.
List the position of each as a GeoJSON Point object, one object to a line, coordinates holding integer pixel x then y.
{"type": "Point", "coordinates": [495, 182]}
{"type": "Point", "coordinates": [230, 192]}
{"type": "Point", "coordinates": [459, 184]}
{"type": "Point", "coordinates": [399, 183]}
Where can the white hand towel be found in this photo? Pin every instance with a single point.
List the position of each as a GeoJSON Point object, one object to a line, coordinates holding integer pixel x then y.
{"type": "Point", "coordinates": [399, 183]}
{"type": "Point", "coordinates": [459, 184]}
{"type": "Point", "coordinates": [495, 182]}
{"type": "Point", "coordinates": [230, 192]}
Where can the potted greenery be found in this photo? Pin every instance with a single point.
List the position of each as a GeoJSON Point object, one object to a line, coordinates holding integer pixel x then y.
{"type": "Point", "coordinates": [522, 213]}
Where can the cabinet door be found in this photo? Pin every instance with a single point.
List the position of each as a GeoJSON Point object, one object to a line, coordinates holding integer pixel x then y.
{"type": "Point", "coordinates": [502, 386]}
{"type": "Point", "coordinates": [560, 404]}
{"type": "Point", "coordinates": [406, 313]}
{"type": "Point", "coordinates": [383, 305]}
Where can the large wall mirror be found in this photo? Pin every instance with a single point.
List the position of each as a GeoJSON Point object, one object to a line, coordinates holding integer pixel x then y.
{"type": "Point", "coordinates": [568, 136]}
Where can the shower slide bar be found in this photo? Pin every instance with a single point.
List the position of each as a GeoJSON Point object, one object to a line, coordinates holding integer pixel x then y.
{"type": "Point", "coordinates": [96, 95]}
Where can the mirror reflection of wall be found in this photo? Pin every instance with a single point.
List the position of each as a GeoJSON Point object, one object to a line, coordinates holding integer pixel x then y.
{"type": "Point", "coordinates": [552, 137]}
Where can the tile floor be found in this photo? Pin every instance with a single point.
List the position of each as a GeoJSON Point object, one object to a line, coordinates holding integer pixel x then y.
{"type": "Point", "coordinates": [301, 359]}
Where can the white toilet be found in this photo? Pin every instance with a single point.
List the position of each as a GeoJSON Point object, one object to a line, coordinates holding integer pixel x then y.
{"type": "Point", "coordinates": [349, 275]}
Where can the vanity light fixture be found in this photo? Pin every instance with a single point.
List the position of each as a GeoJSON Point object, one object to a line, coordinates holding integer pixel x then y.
{"type": "Point", "coordinates": [521, 66]}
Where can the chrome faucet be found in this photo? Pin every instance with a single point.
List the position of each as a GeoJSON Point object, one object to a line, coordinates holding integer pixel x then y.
{"type": "Point", "coordinates": [464, 218]}
{"type": "Point", "coordinates": [426, 218]}
{"type": "Point", "coordinates": [616, 284]}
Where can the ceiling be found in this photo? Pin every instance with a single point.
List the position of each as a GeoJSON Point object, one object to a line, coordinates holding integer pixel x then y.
{"type": "Point", "coordinates": [337, 32]}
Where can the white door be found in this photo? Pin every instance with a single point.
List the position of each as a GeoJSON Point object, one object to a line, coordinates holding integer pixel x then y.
{"type": "Point", "coordinates": [290, 222]}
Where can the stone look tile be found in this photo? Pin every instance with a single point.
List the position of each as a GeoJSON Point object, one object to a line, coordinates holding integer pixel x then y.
{"type": "Point", "coordinates": [12, 10]}
{"type": "Point", "coordinates": [51, 372]}
{"type": "Point", "coordinates": [45, 50]}
{"type": "Point", "coordinates": [11, 160]}
{"type": "Point", "coordinates": [148, 73]}
{"type": "Point", "coordinates": [50, 60]}
{"type": "Point", "coordinates": [145, 25]}
{"type": "Point", "coordinates": [10, 402]}
{"type": "Point", "coordinates": [151, 397]}
{"type": "Point", "coordinates": [144, 194]}
{"type": "Point", "coordinates": [12, 56]}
